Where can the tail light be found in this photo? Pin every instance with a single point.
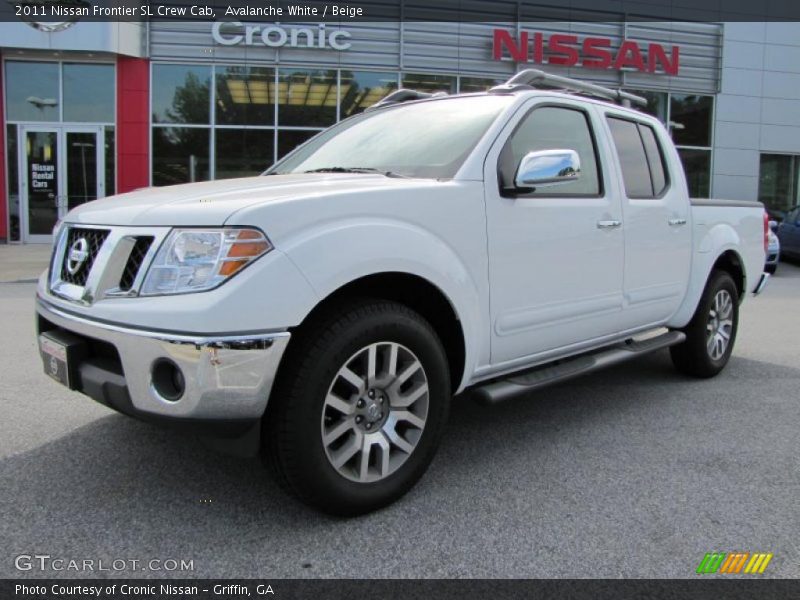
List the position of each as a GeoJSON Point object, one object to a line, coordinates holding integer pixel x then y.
{"type": "Point", "coordinates": [766, 231]}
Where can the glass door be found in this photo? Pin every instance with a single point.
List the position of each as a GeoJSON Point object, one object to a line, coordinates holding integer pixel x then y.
{"type": "Point", "coordinates": [40, 181]}
{"type": "Point", "coordinates": [83, 181]}
{"type": "Point", "coordinates": [62, 167]}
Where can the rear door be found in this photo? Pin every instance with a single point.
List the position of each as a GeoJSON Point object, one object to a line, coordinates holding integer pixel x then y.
{"type": "Point", "coordinates": [555, 253]}
{"type": "Point", "coordinates": [655, 209]}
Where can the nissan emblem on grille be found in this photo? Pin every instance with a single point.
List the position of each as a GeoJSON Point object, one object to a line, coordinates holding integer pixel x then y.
{"type": "Point", "coordinates": [78, 253]}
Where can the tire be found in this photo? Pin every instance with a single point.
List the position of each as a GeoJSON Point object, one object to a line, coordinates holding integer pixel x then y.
{"type": "Point", "coordinates": [716, 317]}
{"type": "Point", "coordinates": [326, 409]}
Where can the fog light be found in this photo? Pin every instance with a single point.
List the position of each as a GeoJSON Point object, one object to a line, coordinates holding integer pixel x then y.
{"type": "Point", "coordinates": [168, 380]}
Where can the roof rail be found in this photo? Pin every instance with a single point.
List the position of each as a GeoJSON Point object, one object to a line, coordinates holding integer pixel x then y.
{"type": "Point", "coordinates": [404, 95]}
{"type": "Point", "coordinates": [537, 78]}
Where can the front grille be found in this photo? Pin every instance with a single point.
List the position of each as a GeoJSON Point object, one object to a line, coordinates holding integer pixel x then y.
{"type": "Point", "coordinates": [94, 240]}
{"type": "Point", "coordinates": [135, 260]}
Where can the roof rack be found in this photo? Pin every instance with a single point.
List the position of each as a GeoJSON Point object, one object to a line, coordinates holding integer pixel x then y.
{"type": "Point", "coordinates": [404, 95]}
{"type": "Point", "coordinates": [536, 78]}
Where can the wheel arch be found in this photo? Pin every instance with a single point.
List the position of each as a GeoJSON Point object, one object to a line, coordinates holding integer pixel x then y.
{"type": "Point", "coordinates": [415, 292]}
{"type": "Point", "coordinates": [728, 260]}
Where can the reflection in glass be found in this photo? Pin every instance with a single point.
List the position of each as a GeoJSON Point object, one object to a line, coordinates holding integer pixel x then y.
{"type": "Point", "coordinates": [180, 155]}
{"type": "Point", "coordinates": [777, 185]}
{"type": "Point", "coordinates": [181, 94]}
{"type": "Point", "coordinates": [242, 152]}
{"type": "Point", "coordinates": [360, 89]}
{"type": "Point", "coordinates": [306, 97]}
{"type": "Point", "coordinates": [111, 162]}
{"type": "Point", "coordinates": [89, 93]}
{"type": "Point", "coordinates": [32, 91]}
{"type": "Point", "coordinates": [244, 96]}
{"type": "Point", "coordinates": [41, 153]}
{"type": "Point", "coordinates": [289, 139]}
{"type": "Point", "coordinates": [429, 83]}
{"type": "Point", "coordinates": [81, 153]}
{"type": "Point", "coordinates": [13, 184]}
{"type": "Point", "coordinates": [468, 85]}
{"type": "Point", "coordinates": [697, 165]}
{"type": "Point", "coordinates": [690, 119]}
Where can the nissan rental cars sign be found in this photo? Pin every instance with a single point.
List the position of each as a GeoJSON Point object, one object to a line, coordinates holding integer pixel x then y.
{"type": "Point", "coordinates": [233, 33]}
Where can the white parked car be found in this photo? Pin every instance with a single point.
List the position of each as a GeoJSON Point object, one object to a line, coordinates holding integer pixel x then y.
{"type": "Point", "coordinates": [329, 310]}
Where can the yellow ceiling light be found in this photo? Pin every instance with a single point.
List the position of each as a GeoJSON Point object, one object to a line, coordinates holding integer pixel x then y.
{"type": "Point", "coordinates": [259, 92]}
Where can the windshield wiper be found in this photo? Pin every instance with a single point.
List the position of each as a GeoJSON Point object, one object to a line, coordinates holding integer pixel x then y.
{"type": "Point", "coordinates": [354, 170]}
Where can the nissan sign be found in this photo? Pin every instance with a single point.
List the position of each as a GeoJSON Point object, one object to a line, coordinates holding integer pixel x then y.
{"type": "Point", "coordinates": [568, 50]}
{"type": "Point", "coordinates": [234, 33]}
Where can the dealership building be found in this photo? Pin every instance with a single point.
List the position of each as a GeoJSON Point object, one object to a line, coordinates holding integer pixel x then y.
{"type": "Point", "coordinates": [90, 109]}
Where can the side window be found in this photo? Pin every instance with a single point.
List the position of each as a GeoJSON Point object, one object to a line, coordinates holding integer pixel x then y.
{"type": "Point", "coordinates": [551, 128]}
{"type": "Point", "coordinates": [632, 158]}
{"type": "Point", "coordinates": [655, 159]}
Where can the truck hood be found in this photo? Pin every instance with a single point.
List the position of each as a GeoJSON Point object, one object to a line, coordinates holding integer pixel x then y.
{"type": "Point", "coordinates": [211, 203]}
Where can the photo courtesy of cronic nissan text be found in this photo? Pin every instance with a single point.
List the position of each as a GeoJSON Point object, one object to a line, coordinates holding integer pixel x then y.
{"type": "Point", "coordinates": [398, 299]}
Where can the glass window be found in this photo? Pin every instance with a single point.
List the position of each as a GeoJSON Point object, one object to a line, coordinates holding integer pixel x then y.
{"type": "Point", "coordinates": [777, 185]}
{"type": "Point", "coordinates": [111, 161]}
{"type": "Point", "coordinates": [656, 103]}
{"type": "Point", "coordinates": [306, 98]}
{"type": "Point", "coordinates": [697, 166]}
{"type": "Point", "coordinates": [242, 152]}
{"type": "Point", "coordinates": [244, 96]}
{"type": "Point", "coordinates": [89, 93]}
{"type": "Point", "coordinates": [32, 91]}
{"type": "Point", "coordinates": [655, 159]}
{"type": "Point", "coordinates": [181, 94]}
{"type": "Point", "coordinates": [423, 82]}
{"type": "Point", "coordinates": [632, 158]}
{"type": "Point", "coordinates": [426, 139]}
{"type": "Point", "coordinates": [13, 183]}
{"type": "Point", "coordinates": [180, 155]}
{"type": "Point", "coordinates": [289, 139]}
{"type": "Point", "coordinates": [552, 128]}
{"type": "Point", "coordinates": [360, 89]}
{"type": "Point", "coordinates": [467, 85]}
{"type": "Point", "coordinates": [690, 119]}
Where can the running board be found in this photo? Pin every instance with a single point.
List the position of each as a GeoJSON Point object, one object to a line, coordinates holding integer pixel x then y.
{"type": "Point", "coordinates": [499, 390]}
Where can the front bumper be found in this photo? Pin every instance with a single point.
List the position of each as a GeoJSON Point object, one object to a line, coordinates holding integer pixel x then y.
{"type": "Point", "coordinates": [228, 378]}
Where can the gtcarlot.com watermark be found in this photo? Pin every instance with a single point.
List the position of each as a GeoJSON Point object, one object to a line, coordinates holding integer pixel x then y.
{"type": "Point", "coordinates": [57, 564]}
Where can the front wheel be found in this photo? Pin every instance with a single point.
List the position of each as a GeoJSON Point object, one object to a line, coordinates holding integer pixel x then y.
{"type": "Point", "coordinates": [711, 333]}
{"type": "Point", "coordinates": [359, 407]}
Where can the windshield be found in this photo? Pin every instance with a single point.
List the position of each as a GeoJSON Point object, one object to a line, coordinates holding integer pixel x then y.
{"type": "Point", "coordinates": [426, 139]}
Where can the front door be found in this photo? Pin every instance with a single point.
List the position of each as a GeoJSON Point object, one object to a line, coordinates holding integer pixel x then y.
{"type": "Point", "coordinates": [62, 167]}
{"type": "Point", "coordinates": [555, 253]}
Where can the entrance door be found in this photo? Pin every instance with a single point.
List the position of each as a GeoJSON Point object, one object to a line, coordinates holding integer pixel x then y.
{"type": "Point", "coordinates": [62, 167]}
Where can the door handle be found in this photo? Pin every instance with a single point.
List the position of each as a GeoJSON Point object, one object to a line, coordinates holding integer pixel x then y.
{"type": "Point", "coordinates": [608, 224]}
{"type": "Point", "coordinates": [676, 222]}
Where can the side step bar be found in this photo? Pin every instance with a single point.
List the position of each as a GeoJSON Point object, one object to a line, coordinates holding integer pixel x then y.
{"type": "Point", "coordinates": [520, 383]}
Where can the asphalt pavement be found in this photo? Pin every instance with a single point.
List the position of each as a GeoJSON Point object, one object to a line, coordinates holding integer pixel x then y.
{"type": "Point", "coordinates": [631, 472]}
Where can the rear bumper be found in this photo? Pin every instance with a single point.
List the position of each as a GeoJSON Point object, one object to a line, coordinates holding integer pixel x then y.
{"type": "Point", "coordinates": [228, 378]}
{"type": "Point", "coordinates": [762, 283]}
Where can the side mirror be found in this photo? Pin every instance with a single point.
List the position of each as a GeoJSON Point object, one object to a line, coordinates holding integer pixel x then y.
{"type": "Point", "coordinates": [547, 168]}
{"type": "Point", "coordinates": [773, 225]}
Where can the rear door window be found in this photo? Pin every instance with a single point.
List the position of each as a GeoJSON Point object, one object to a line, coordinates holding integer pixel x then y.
{"type": "Point", "coordinates": [640, 157]}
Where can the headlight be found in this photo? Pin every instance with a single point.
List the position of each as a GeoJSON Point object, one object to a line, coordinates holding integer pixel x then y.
{"type": "Point", "coordinates": [195, 260]}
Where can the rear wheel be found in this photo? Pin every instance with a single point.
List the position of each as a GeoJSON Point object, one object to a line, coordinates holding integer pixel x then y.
{"type": "Point", "coordinates": [711, 333]}
{"type": "Point", "coordinates": [359, 407]}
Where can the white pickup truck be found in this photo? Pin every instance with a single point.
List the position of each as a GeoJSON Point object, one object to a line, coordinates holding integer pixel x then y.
{"type": "Point", "coordinates": [328, 310]}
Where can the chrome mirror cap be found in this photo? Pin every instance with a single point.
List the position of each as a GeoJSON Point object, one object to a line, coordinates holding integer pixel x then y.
{"type": "Point", "coordinates": [547, 168]}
